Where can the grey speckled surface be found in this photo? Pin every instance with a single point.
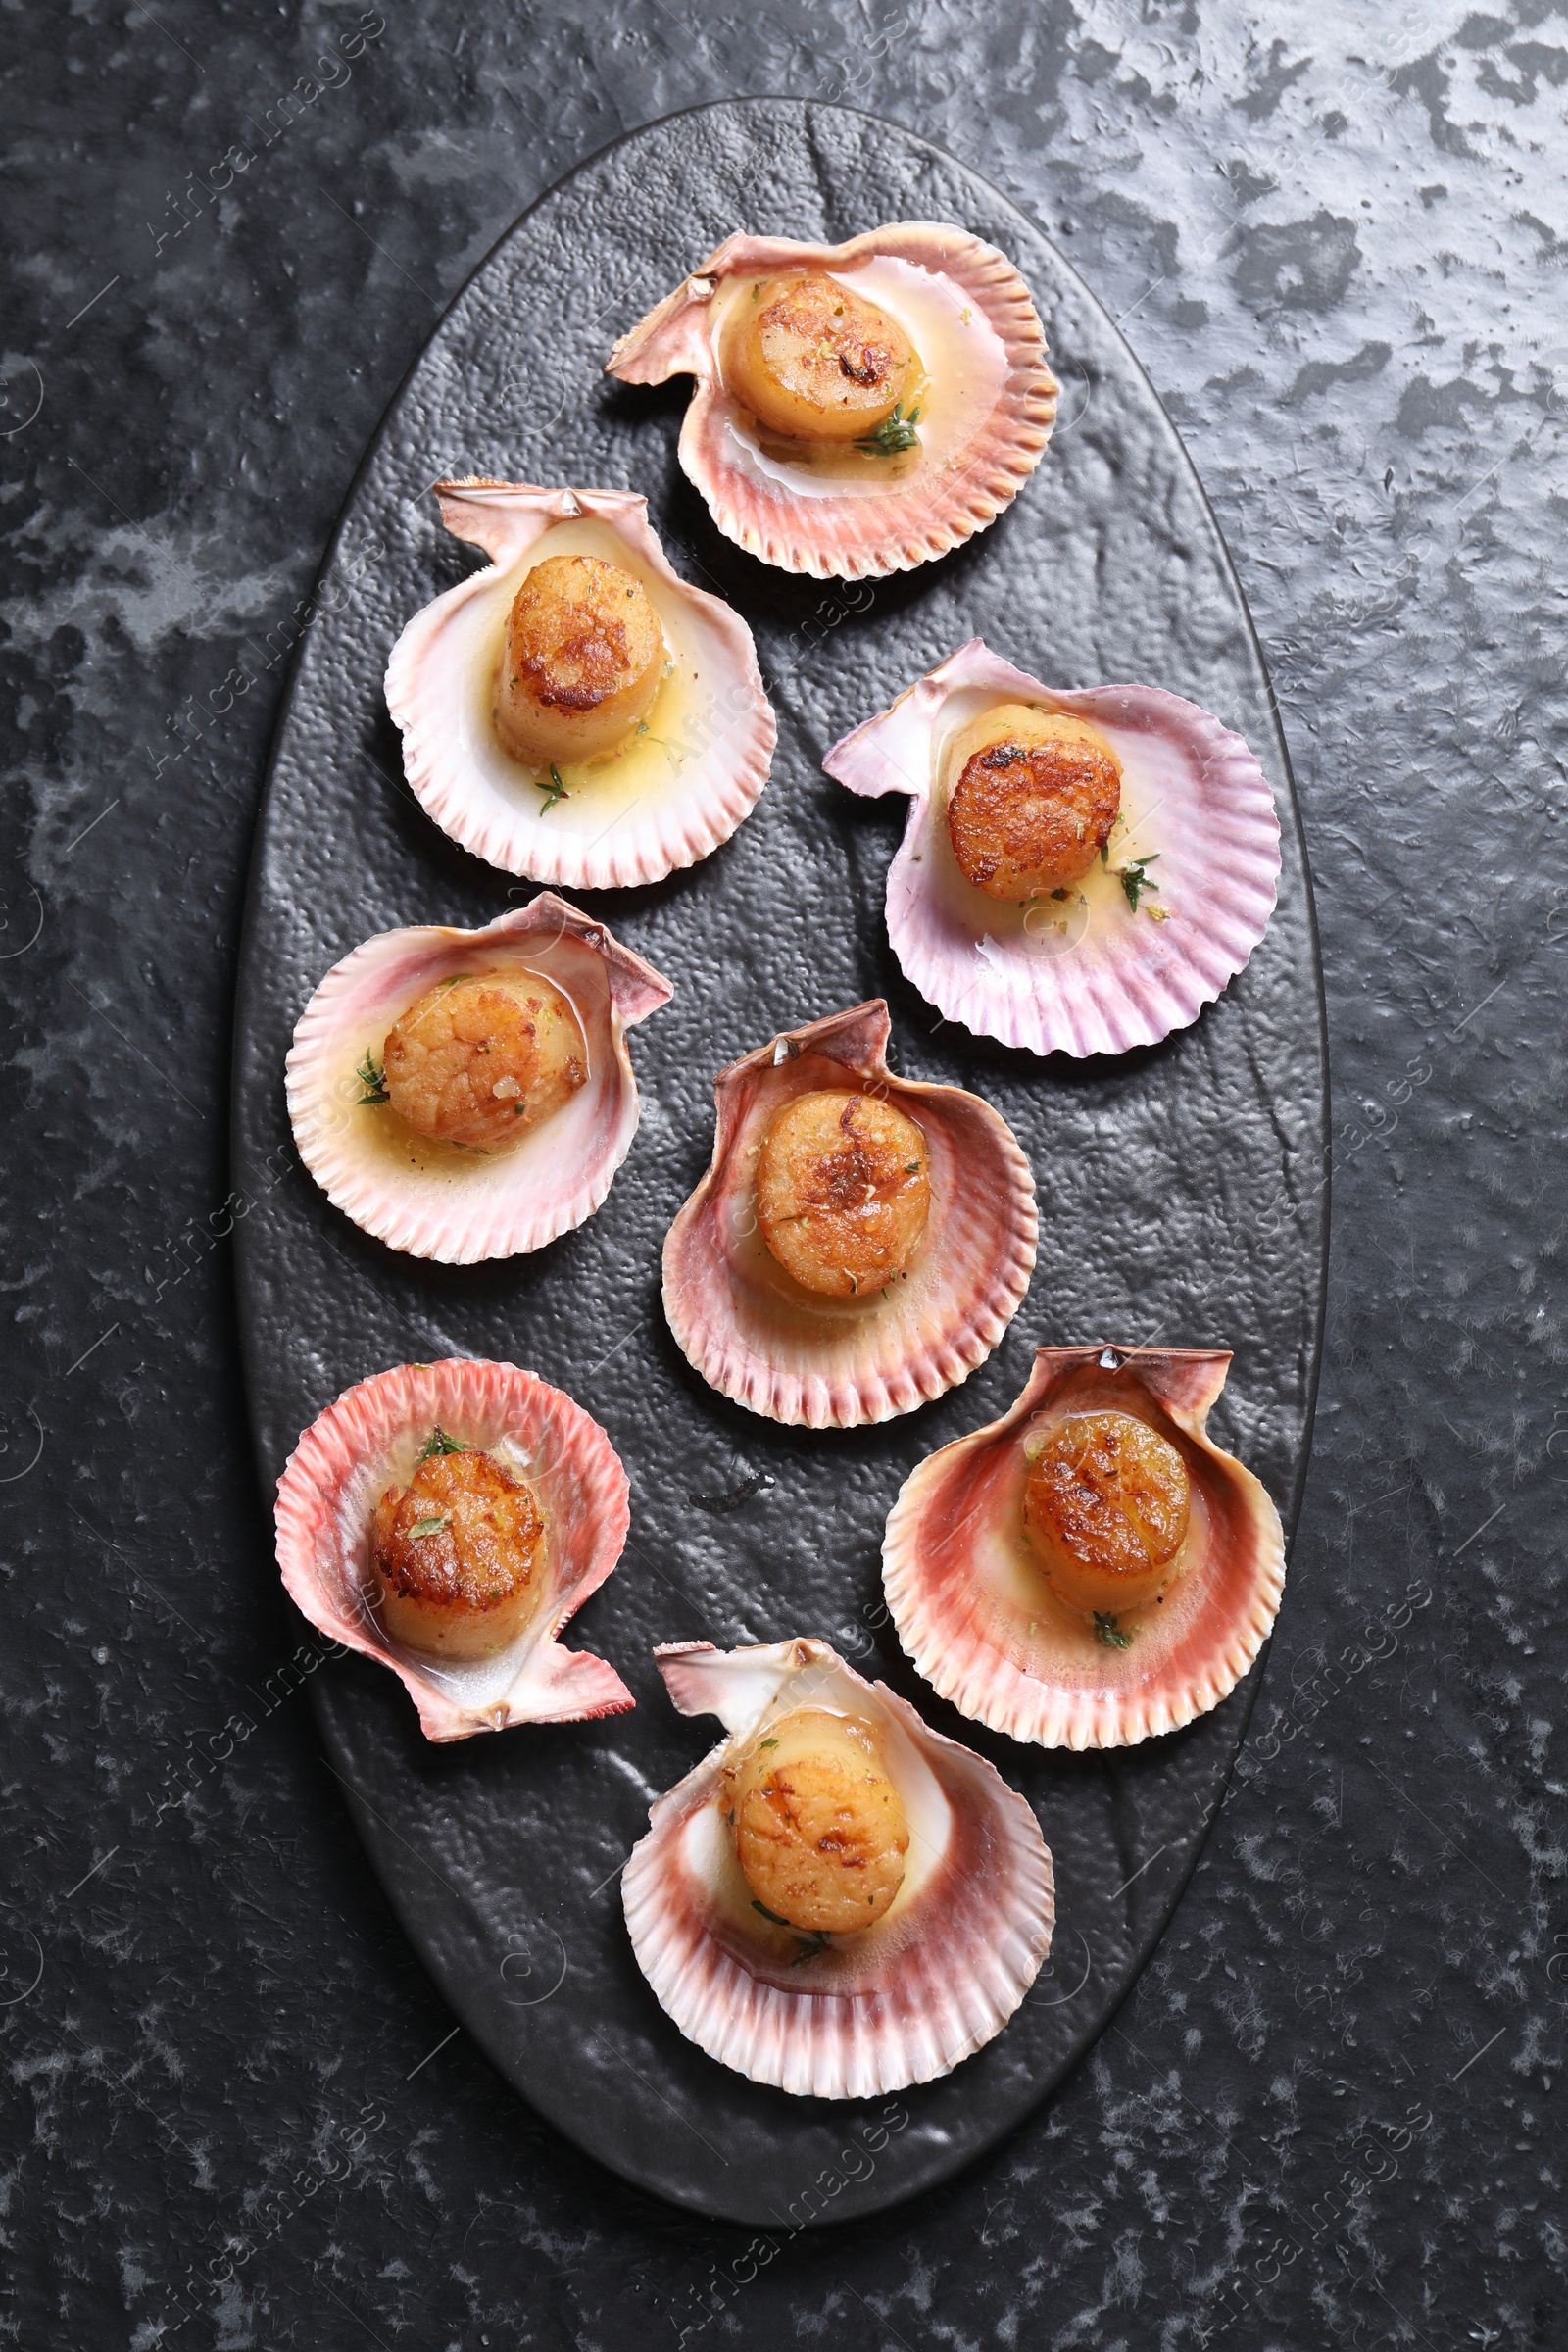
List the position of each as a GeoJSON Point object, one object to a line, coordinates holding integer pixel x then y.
{"type": "Point", "coordinates": [1330, 2112]}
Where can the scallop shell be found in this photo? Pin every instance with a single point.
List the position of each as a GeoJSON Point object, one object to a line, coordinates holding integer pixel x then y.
{"type": "Point", "coordinates": [439, 1200]}
{"type": "Point", "coordinates": [902, 2002]}
{"type": "Point", "coordinates": [974, 1615]}
{"type": "Point", "coordinates": [834, 1363]}
{"type": "Point", "coordinates": [986, 419]}
{"type": "Point", "coordinates": [370, 1439]}
{"type": "Point", "coordinates": [685, 783]}
{"type": "Point", "coordinates": [1095, 977]}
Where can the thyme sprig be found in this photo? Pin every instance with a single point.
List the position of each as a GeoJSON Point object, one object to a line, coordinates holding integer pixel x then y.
{"type": "Point", "coordinates": [813, 1940]}
{"type": "Point", "coordinates": [1107, 1630]}
{"type": "Point", "coordinates": [439, 1443]}
{"type": "Point", "coordinates": [371, 1075]}
{"type": "Point", "coordinates": [554, 791]}
{"type": "Point", "coordinates": [894, 433]}
{"type": "Point", "coordinates": [1135, 878]}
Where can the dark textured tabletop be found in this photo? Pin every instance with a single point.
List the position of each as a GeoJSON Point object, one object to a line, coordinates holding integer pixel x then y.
{"type": "Point", "coordinates": [1330, 2112]}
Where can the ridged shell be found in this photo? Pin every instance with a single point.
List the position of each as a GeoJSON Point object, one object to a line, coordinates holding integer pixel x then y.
{"type": "Point", "coordinates": [370, 1439]}
{"type": "Point", "coordinates": [436, 1201]}
{"type": "Point", "coordinates": [971, 1608]}
{"type": "Point", "coordinates": [757, 1338]}
{"type": "Point", "coordinates": [902, 2002]}
{"type": "Point", "coordinates": [673, 798]}
{"type": "Point", "coordinates": [1095, 978]}
{"type": "Point", "coordinates": [984, 428]}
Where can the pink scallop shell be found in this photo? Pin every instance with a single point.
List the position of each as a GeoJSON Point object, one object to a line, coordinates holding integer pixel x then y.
{"type": "Point", "coordinates": [441, 673]}
{"type": "Point", "coordinates": [981, 1634]}
{"type": "Point", "coordinates": [832, 1363]}
{"type": "Point", "coordinates": [370, 1440]}
{"type": "Point", "coordinates": [480, 1206]}
{"type": "Point", "coordinates": [954, 492]}
{"type": "Point", "coordinates": [1128, 979]}
{"type": "Point", "coordinates": [934, 1981]}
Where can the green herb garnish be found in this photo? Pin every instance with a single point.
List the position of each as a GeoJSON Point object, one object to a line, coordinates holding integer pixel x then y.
{"type": "Point", "coordinates": [554, 791]}
{"type": "Point", "coordinates": [1134, 879]}
{"type": "Point", "coordinates": [1107, 1630]}
{"type": "Point", "coordinates": [429, 1527]}
{"type": "Point", "coordinates": [439, 1443]}
{"type": "Point", "coordinates": [767, 1743]}
{"type": "Point", "coordinates": [894, 433]}
{"type": "Point", "coordinates": [811, 1941]}
{"type": "Point", "coordinates": [371, 1075]}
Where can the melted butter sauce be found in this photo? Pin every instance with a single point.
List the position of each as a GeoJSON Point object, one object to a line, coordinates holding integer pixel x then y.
{"type": "Point", "coordinates": [965, 367]}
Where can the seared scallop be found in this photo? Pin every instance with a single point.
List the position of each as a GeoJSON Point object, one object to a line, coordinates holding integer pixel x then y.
{"type": "Point", "coordinates": [842, 1192]}
{"type": "Point", "coordinates": [580, 664]}
{"type": "Point", "coordinates": [814, 362]}
{"type": "Point", "coordinates": [1032, 801]}
{"type": "Point", "coordinates": [454, 1552]}
{"type": "Point", "coordinates": [480, 1060]}
{"type": "Point", "coordinates": [820, 1832]}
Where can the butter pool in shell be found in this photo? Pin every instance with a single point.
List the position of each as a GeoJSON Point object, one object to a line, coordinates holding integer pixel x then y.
{"type": "Point", "coordinates": [688, 770]}
{"type": "Point", "coordinates": [441, 1199]}
{"type": "Point", "coordinates": [974, 1609]}
{"type": "Point", "coordinates": [855, 2015]}
{"type": "Point", "coordinates": [1155, 930]}
{"type": "Point", "coordinates": [373, 1438]}
{"type": "Point", "coordinates": [763, 1340]}
{"type": "Point", "coordinates": [986, 401]}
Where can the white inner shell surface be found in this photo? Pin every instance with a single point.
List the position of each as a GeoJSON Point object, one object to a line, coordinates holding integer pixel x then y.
{"type": "Point", "coordinates": [700, 700]}
{"type": "Point", "coordinates": [852, 1962]}
{"type": "Point", "coordinates": [962, 358]}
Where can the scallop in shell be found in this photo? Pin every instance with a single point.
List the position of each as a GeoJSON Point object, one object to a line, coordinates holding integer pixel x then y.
{"type": "Point", "coordinates": [1127, 854]}
{"type": "Point", "coordinates": [859, 408]}
{"type": "Point", "coordinates": [961, 1913]}
{"type": "Point", "coordinates": [940, 1275]}
{"type": "Point", "coordinates": [545, 1455]}
{"type": "Point", "coordinates": [577, 713]}
{"type": "Point", "coordinates": [567, 994]}
{"type": "Point", "coordinates": [1091, 1569]}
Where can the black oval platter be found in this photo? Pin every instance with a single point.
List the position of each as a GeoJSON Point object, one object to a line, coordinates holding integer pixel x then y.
{"type": "Point", "coordinates": [1182, 1189]}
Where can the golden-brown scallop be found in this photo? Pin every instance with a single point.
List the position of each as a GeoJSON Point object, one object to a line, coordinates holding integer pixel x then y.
{"type": "Point", "coordinates": [581, 664]}
{"type": "Point", "coordinates": [480, 1059]}
{"type": "Point", "coordinates": [843, 1192]}
{"type": "Point", "coordinates": [1106, 1506]}
{"type": "Point", "coordinates": [455, 1553]}
{"type": "Point", "coordinates": [820, 1832]}
{"type": "Point", "coordinates": [816, 363]}
{"type": "Point", "coordinates": [1033, 797]}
